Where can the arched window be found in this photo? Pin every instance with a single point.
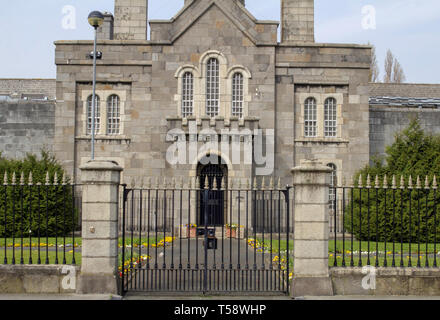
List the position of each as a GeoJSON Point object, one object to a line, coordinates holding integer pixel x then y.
{"type": "Point", "coordinates": [97, 114]}
{"type": "Point", "coordinates": [333, 185]}
{"type": "Point", "coordinates": [113, 115]}
{"type": "Point", "coordinates": [212, 87]}
{"type": "Point", "coordinates": [330, 125]}
{"type": "Point", "coordinates": [237, 95]}
{"type": "Point", "coordinates": [187, 94]}
{"type": "Point", "coordinates": [310, 118]}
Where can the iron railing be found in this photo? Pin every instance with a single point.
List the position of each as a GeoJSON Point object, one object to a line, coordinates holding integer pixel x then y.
{"type": "Point", "coordinates": [386, 223]}
{"type": "Point", "coordinates": [38, 220]}
{"type": "Point", "coordinates": [167, 246]}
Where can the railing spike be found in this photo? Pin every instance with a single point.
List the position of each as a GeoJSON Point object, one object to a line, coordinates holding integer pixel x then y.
{"type": "Point", "coordinates": [427, 187]}
{"type": "Point", "coordinates": [133, 183]}
{"type": "Point", "coordinates": [377, 182]}
{"type": "Point", "coordinates": [173, 183]}
{"type": "Point", "coordinates": [214, 184]}
{"type": "Point", "coordinates": [263, 184]}
{"type": "Point", "coordinates": [165, 183]}
{"type": "Point", "coordinates": [368, 181]}
{"type": "Point", "coordinates": [63, 179]}
{"type": "Point", "coordinates": [206, 183]}
{"type": "Point", "coordinates": [255, 186]}
{"type": "Point", "coordinates": [410, 182]}
{"type": "Point", "coordinates": [360, 181]}
{"type": "Point", "coordinates": [55, 179]}
{"type": "Point", "coordinates": [385, 182]}
{"type": "Point", "coordinates": [344, 181]}
{"type": "Point", "coordinates": [394, 186]}
{"type": "Point", "coordinates": [402, 182]}
{"type": "Point", "coordinates": [156, 184]}
{"type": "Point", "coordinates": [271, 184]}
{"type": "Point", "coordinates": [434, 182]}
{"type": "Point", "coordinates": [419, 183]}
{"type": "Point", "coordinates": [5, 179]}
{"type": "Point", "coordinates": [47, 178]}
{"type": "Point", "coordinates": [223, 184]}
{"type": "Point", "coordinates": [248, 184]}
{"type": "Point", "coordinates": [279, 187]}
{"type": "Point", "coordinates": [22, 178]}
{"type": "Point", "coordinates": [180, 183]}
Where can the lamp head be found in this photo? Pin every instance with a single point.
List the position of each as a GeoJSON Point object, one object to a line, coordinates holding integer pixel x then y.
{"type": "Point", "coordinates": [96, 19]}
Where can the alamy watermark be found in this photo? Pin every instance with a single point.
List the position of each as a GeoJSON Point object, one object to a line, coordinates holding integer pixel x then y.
{"type": "Point", "coordinates": [368, 17]}
{"type": "Point", "coordinates": [245, 146]}
{"type": "Point", "coordinates": [69, 281]}
{"type": "Point", "coordinates": [68, 22]}
{"type": "Point", "coordinates": [369, 281]}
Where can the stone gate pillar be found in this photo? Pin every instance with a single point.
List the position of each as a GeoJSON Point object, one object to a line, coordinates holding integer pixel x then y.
{"type": "Point", "coordinates": [99, 227]}
{"type": "Point", "coordinates": [311, 272]}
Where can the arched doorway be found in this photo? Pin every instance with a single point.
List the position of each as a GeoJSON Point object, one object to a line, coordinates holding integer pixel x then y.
{"type": "Point", "coordinates": [217, 198]}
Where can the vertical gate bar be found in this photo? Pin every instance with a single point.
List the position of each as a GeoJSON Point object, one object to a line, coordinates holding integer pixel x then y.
{"type": "Point", "coordinates": [180, 236]}
{"type": "Point", "coordinates": [418, 229]}
{"type": "Point", "coordinates": [140, 235]}
{"type": "Point", "coordinates": [197, 232]}
{"type": "Point", "coordinates": [435, 224]}
{"type": "Point", "coordinates": [263, 244]}
{"type": "Point", "coordinates": [30, 225]}
{"type": "Point", "coordinates": [172, 228]}
{"type": "Point", "coordinates": [247, 238]}
{"type": "Point", "coordinates": [39, 225]}
{"type": "Point", "coordinates": [271, 238]}
{"type": "Point", "coordinates": [5, 188]}
{"type": "Point", "coordinates": [343, 225]}
{"type": "Point", "coordinates": [427, 229]}
{"type": "Point", "coordinates": [401, 224]}
{"type": "Point", "coordinates": [47, 223]}
{"type": "Point", "coordinates": [410, 234]}
{"type": "Point", "coordinates": [148, 283]}
{"type": "Point", "coordinates": [360, 227]}
{"type": "Point", "coordinates": [13, 220]}
{"type": "Point", "coordinates": [132, 232]}
{"type": "Point", "coordinates": [164, 266]}
{"type": "Point", "coordinates": [335, 263]}
{"type": "Point", "coordinates": [156, 266]}
{"type": "Point", "coordinates": [64, 222]}
{"type": "Point", "coordinates": [393, 264]}
{"type": "Point", "coordinates": [239, 234]}
{"type": "Point", "coordinates": [22, 221]}
{"type": "Point", "coordinates": [230, 241]}
{"type": "Point", "coordinates": [288, 238]}
{"type": "Point", "coordinates": [124, 203]}
{"type": "Point", "coordinates": [205, 202]}
{"type": "Point", "coordinates": [254, 200]}
{"type": "Point", "coordinates": [368, 224]}
{"type": "Point", "coordinates": [385, 261]}
{"type": "Point", "coordinates": [352, 225]}
{"type": "Point", "coordinates": [279, 241]}
{"type": "Point", "coordinates": [377, 225]}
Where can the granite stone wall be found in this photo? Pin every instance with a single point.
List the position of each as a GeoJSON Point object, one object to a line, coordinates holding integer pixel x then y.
{"type": "Point", "coordinates": [26, 127]}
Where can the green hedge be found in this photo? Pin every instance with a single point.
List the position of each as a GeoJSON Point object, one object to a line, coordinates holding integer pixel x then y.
{"type": "Point", "coordinates": [44, 210]}
{"type": "Point", "coordinates": [413, 153]}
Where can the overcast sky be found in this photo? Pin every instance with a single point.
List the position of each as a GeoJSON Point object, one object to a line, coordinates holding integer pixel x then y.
{"type": "Point", "coordinates": [410, 28]}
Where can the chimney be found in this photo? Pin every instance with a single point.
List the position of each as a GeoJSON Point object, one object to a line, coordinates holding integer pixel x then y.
{"type": "Point", "coordinates": [105, 32]}
{"type": "Point", "coordinates": [131, 19]}
{"type": "Point", "coordinates": [297, 21]}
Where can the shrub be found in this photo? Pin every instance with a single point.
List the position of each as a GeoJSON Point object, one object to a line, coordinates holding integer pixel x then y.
{"type": "Point", "coordinates": [38, 208]}
{"type": "Point", "coordinates": [399, 214]}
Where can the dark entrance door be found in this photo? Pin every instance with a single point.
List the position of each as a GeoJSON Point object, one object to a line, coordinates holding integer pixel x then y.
{"type": "Point", "coordinates": [216, 201]}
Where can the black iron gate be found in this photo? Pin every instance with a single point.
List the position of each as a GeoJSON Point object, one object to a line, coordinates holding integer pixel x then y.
{"type": "Point", "coordinates": [163, 250]}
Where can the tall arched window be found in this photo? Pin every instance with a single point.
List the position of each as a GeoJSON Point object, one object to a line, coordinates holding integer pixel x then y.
{"type": "Point", "coordinates": [187, 94]}
{"type": "Point", "coordinates": [333, 185]}
{"type": "Point", "coordinates": [113, 115]}
{"type": "Point", "coordinates": [97, 114]}
{"type": "Point", "coordinates": [212, 87]}
{"type": "Point", "coordinates": [310, 118]}
{"type": "Point", "coordinates": [237, 95]}
{"type": "Point", "coordinates": [330, 125]}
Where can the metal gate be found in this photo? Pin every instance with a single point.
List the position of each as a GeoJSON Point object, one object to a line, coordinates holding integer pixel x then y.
{"type": "Point", "coordinates": [164, 250]}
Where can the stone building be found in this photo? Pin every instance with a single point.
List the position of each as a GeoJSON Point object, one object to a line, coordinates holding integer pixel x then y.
{"type": "Point", "coordinates": [213, 72]}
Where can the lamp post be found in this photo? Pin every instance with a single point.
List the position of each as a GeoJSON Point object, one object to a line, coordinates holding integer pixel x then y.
{"type": "Point", "coordinates": [95, 19]}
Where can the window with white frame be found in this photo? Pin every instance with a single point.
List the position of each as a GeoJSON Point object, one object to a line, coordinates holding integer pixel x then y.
{"type": "Point", "coordinates": [310, 117]}
{"type": "Point", "coordinates": [330, 118]}
{"type": "Point", "coordinates": [187, 94]}
{"type": "Point", "coordinates": [237, 95]}
{"type": "Point", "coordinates": [333, 184]}
{"type": "Point", "coordinates": [97, 114]}
{"type": "Point", "coordinates": [113, 115]}
{"type": "Point", "coordinates": [212, 87]}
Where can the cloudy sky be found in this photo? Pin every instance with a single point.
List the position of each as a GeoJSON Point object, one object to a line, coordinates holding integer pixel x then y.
{"type": "Point", "coordinates": [410, 28]}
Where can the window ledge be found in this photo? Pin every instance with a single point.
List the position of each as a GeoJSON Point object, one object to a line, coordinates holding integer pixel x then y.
{"type": "Point", "coordinates": [322, 140]}
{"type": "Point", "coordinates": [105, 138]}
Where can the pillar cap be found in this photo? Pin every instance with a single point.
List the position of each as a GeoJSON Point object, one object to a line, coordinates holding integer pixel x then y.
{"type": "Point", "coordinates": [311, 166]}
{"type": "Point", "coordinates": [101, 165]}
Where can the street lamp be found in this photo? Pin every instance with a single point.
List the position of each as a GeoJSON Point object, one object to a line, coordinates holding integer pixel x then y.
{"type": "Point", "coordinates": [96, 19]}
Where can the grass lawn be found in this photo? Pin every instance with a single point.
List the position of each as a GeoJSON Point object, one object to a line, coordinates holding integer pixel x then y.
{"type": "Point", "coordinates": [43, 241]}
{"type": "Point", "coordinates": [34, 252]}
